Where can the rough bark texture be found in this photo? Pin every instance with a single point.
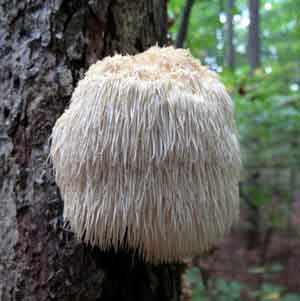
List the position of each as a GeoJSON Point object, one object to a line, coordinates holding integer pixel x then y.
{"type": "Point", "coordinates": [45, 47]}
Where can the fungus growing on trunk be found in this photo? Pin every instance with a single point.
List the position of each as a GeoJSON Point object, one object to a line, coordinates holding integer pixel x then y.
{"type": "Point", "coordinates": [147, 157]}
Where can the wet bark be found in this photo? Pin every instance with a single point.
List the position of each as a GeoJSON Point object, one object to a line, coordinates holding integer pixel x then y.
{"type": "Point", "coordinates": [45, 48]}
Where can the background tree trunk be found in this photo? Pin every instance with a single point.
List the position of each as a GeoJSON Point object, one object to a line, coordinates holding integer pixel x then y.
{"type": "Point", "coordinates": [254, 35]}
{"type": "Point", "coordinates": [184, 23]}
{"type": "Point", "coordinates": [45, 48]}
{"type": "Point", "coordinates": [229, 57]}
{"type": "Point", "coordinates": [254, 52]}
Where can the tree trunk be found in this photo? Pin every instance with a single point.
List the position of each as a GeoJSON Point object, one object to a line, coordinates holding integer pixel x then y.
{"type": "Point", "coordinates": [45, 48]}
{"type": "Point", "coordinates": [229, 57]}
{"type": "Point", "coordinates": [184, 23]}
{"type": "Point", "coordinates": [254, 219]}
{"type": "Point", "coordinates": [254, 35]}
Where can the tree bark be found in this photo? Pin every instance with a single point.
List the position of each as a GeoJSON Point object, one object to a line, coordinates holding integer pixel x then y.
{"type": "Point", "coordinates": [229, 56]}
{"type": "Point", "coordinates": [254, 35]}
{"type": "Point", "coordinates": [45, 48]}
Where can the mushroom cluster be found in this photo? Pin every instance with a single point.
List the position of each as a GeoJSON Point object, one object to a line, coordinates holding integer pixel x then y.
{"type": "Point", "coordinates": [146, 156]}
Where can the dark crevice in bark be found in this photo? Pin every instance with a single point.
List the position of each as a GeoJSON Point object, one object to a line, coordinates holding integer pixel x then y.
{"type": "Point", "coordinates": [138, 45]}
{"type": "Point", "coordinates": [134, 281]}
{"type": "Point", "coordinates": [6, 112]}
{"type": "Point", "coordinates": [109, 29]}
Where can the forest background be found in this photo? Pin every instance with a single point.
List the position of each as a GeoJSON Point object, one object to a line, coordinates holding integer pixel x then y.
{"type": "Point", "coordinates": [255, 47]}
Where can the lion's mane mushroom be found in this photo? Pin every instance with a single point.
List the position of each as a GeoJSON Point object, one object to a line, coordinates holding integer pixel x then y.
{"type": "Point", "coordinates": [146, 156]}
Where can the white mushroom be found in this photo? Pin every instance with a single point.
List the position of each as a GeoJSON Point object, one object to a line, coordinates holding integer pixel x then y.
{"type": "Point", "coordinates": [147, 157]}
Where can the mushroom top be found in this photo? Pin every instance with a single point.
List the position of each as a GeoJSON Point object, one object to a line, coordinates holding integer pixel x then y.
{"type": "Point", "coordinates": [157, 66]}
{"type": "Point", "coordinates": [163, 100]}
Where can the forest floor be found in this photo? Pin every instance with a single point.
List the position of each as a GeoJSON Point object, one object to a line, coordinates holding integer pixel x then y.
{"type": "Point", "coordinates": [270, 267]}
{"type": "Point", "coordinates": [273, 261]}
{"type": "Point", "coordinates": [233, 262]}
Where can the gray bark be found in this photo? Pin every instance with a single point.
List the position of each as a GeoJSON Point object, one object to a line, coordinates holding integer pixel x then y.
{"type": "Point", "coordinates": [184, 23]}
{"type": "Point", "coordinates": [45, 48]}
{"type": "Point", "coordinates": [229, 57]}
{"type": "Point", "coordinates": [254, 50]}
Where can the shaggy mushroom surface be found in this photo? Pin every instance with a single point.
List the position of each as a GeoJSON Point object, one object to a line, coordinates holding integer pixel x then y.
{"type": "Point", "coordinates": [147, 157]}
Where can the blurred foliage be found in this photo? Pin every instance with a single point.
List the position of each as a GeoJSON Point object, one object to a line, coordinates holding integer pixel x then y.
{"type": "Point", "coordinates": [267, 104]}
{"type": "Point", "coordinates": [268, 101]}
{"type": "Point", "coordinates": [222, 290]}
